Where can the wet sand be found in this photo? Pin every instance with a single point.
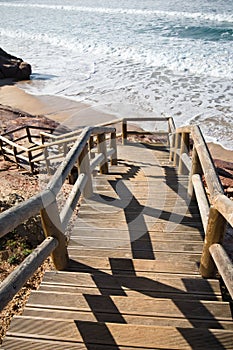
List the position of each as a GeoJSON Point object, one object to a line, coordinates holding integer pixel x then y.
{"type": "Point", "coordinates": [70, 113]}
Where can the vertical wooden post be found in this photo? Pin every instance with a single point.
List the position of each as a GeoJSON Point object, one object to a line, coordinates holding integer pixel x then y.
{"type": "Point", "coordinates": [52, 227]}
{"type": "Point", "coordinates": [47, 161]}
{"type": "Point", "coordinates": [65, 148]}
{"type": "Point", "coordinates": [172, 147]}
{"type": "Point", "coordinates": [171, 130]}
{"type": "Point", "coordinates": [30, 162]}
{"type": "Point", "coordinates": [124, 132]}
{"type": "Point", "coordinates": [214, 234]}
{"type": "Point", "coordinates": [177, 146]}
{"type": "Point", "coordinates": [15, 155]}
{"type": "Point", "coordinates": [28, 134]}
{"type": "Point", "coordinates": [114, 146]}
{"type": "Point", "coordinates": [101, 146]}
{"type": "Point", "coordinates": [84, 167]}
{"type": "Point", "coordinates": [196, 169]}
{"type": "Point", "coordinates": [42, 137]}
{"type": "Point", "coordinates": [91, 146]}
{"type": "Point", "coordinates": [184, 148]}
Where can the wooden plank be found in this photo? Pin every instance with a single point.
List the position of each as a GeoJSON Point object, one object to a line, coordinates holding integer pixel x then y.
{"type": "Point", "coordinates": [141, 224]}
{"type": "Point", "coordinates": [123, 234]}
{"type": "Point", "coordinates": [137, 244]}
{"type": "Point", "coordinates": [129, 319]}
{"type": "Point", "coordinates": [77, 252]}
{"type": "Point", "coordinates": [18, 343]}
{"type": "Point", "coordinates": [111, 334]}
{"type": "Point", "coordinates": [75, 290]}
{"type": "Point", "coordinates": [213, 310]}
{"type": "Point", "coordinates": [138, 265]}
{"type": "Point", "coordinates": [157, 283]}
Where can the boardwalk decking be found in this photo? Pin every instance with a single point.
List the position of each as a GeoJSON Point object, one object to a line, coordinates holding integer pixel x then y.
{"type": "Point", "coordinates": [133, 280]}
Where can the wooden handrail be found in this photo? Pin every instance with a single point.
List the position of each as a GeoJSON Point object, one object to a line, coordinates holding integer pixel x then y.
{"type": "Point", "coordinates": [16, 280]}
{"type": "Point", "coordinates": [13, 144]}
{"type": "Point", "coordinates": [14, 216]}
{"type": "Point", "coordinates": [224, 265]}
{"type": "Point", "coordinates": [225, 207]}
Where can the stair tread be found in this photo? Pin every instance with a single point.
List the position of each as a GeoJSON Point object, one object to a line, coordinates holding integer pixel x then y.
{"type": "Point", "coordinates": [37, 312]}
{"type": "Point", "coordinates": [134, 266]}
{"type": "Point", "coordinates": [142, 305]}
{"type": "Point", "coordinates": [114, 334]}
{"type": "Point", "coordinates": [156, 283]}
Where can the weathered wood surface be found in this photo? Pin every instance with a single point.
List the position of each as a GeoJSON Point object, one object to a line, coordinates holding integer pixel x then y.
{"type": "Point", "coordinates": [133, 278]}
{"type": "Point", "coordinates": [116, 334]}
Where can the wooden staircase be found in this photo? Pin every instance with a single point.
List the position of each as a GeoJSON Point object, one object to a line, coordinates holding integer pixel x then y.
{"type": "Point", "coordinates": [133, 281]}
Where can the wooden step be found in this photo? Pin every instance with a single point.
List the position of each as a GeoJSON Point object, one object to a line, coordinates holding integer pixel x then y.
{"type": "Point", "coordinates": [37, 312]}
{"type": "Point", "coordinates": [144, 285]}
{"type": "Point", "coordinates": [139, 223]}
{"type": "Point", "coordinates": [57, 288]}
{"type": "Point", "coordinates": [120, 213]}
{"type": "Point", "coordinates": [120, 335]}
{"type": "Point", "coordinates": [124, 234]}
{"type": "Point", "coordinates": [81, 251]}
{"type": "Point", "coordinates": [135, 266]}
{"type": "Point", "coordinates": [137, 306]}
{"type": "Point", "coordinates": [145, 245]}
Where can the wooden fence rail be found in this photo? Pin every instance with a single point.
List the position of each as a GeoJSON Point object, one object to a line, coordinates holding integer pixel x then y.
{"type": "Point", "coordinates": [217, 210]}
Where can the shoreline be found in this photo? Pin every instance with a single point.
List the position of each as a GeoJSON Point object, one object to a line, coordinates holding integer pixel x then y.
{"type": "Point", "coordinates": [73, 114]}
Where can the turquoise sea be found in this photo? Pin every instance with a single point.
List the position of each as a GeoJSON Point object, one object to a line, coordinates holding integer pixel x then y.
{"type": "Point", "coordinates": [130, 57]}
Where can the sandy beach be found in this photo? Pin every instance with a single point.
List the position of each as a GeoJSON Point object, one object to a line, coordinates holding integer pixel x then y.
{"type": "Point", "coordinates": [71, 113]}
{"type": "Point", "coordinates": [68, 112]}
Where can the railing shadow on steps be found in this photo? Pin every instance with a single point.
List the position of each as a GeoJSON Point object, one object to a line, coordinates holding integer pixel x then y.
{"type": "Point", "coordinates": [214, 216]}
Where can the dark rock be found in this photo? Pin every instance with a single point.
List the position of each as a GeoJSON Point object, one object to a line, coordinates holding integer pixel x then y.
{"type": "Point", "coordinates": [13, 67]}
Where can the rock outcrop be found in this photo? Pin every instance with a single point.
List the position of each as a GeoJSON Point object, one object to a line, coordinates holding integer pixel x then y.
{"type": "Point", "coordinates": [13, 67]}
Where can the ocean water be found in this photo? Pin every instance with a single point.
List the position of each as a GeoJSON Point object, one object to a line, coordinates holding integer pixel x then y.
{"type": "Point", "coordinates": [130, 57]}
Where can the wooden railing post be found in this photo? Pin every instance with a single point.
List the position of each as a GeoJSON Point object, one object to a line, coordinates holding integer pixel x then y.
{"type": "Point", "coordinates": [101, 146]}
{"type": "Point", "coordinates": [28, 134]}
{"type": "Point", "coordinates": [15, 155]}
{"type": "Point", "coordinates": [171, 130]}
{"type": "Point", "coordinates": [51, 223]}
{"type": "Point", "coordinates": [196, 169]}
{"type": "Point", "coordinates": [124, 132]}
{"type": "Point", "coordinates": [184, 148]}
{"type": "Point", "coordinates": [91, 146]}
{"type": "Point", "coordinates": [30, 161]}
{"type": "Point", "coordinates": [47, 161]}
{"type": "Point", "coordinates": [177, 146]}
{"type": "Point", "coordinates": [114, 146]}
{"type": "Point", "coordinates": [214, 234]}
{"type": "Point", "coordinates": [84, 167]}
